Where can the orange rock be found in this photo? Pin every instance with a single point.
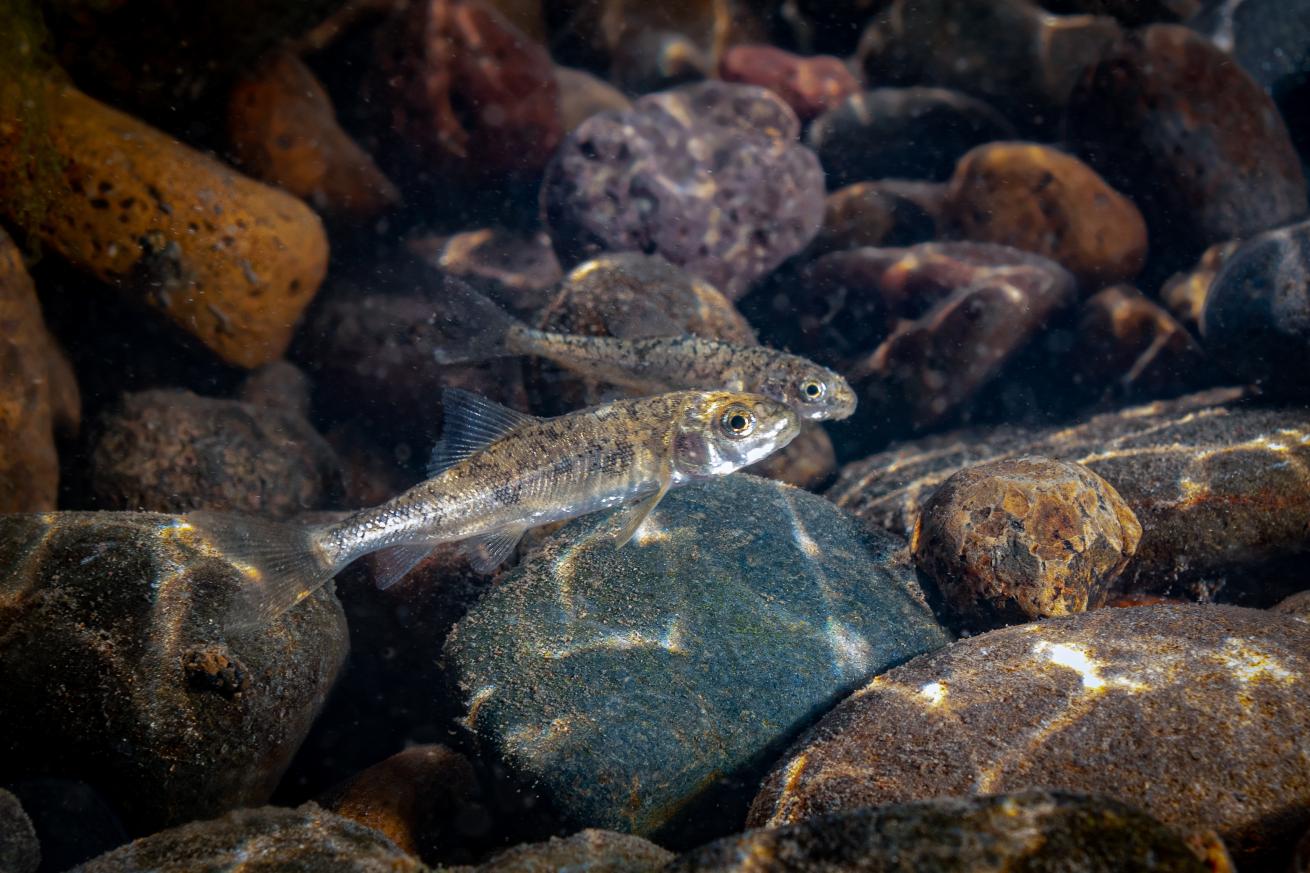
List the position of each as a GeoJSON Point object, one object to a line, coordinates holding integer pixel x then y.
{"type": "Point", "coordinates": [1036, 198]}
{"type": "Point", "coordinates": [284, 131]}
{"type": "Point", "coordinates": [229, 260]}
{"type": "Point", "coordinates": [38, 393]}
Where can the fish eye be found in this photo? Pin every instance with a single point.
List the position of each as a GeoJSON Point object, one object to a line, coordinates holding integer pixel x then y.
{"type": "Point", "coordinates": [738, 421]}
{"type": "Point", "coordinates": [812, 389]}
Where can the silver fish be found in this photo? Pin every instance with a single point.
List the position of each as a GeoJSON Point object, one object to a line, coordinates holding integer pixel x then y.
{"type": "Point", "coordinates": [495, 474]}
{"type": "Point", "coordinates": [478, 329]}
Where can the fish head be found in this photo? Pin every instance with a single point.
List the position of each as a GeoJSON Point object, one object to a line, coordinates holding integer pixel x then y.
{"type": "Point", "coordinates": [816, 393]}
{"type": "Point", "coordinates": [722, 431]}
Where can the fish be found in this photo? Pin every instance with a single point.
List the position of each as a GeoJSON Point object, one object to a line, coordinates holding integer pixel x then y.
{"type": "Point", "coordinates": [497, 472]}
{"type": "Point", "coordinates": [476, 329]}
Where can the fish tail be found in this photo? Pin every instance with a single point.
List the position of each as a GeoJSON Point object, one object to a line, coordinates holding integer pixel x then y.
{"type": "Point", "coordinates": [474, 327]}
{"type": "Point", "coordinates": [281, 563]}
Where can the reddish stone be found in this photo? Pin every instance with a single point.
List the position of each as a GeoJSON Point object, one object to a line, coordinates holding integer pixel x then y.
{"type": "Point", "coordinates": [809, 86]}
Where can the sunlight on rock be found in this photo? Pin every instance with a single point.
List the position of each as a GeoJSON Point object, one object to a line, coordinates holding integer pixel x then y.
{"type": "Point", "coordinates": [851, 652]}
{"type": "Point", "coordinates": [1075, 659]}
{"type": "Point", "coordinates": [934, 693]}
{"type": "Point", "coordinates": [1249, 664]}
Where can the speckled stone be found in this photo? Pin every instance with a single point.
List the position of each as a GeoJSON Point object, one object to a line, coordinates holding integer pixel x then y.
{"type": "Point", "coordinates": [19, 850]}
{"type": "Point", "coordinates": [1256, 320]}
{"type": "Point", "coordinates": [1036, 831]}
{"type": "Point", "coordinates": [1187, 468]}
{"type": "Point", "coordinates": [1185, 292]}
{"type": "Point", "coordinates": [1168, 119]}
{"type": "Point", "coordinates": [709, 176]}
{"type": "Point", "coordinates": [588, 851]}
{"type": "Point", "coordinates": [1038, 199]}
{"type": "Point", "coordinates": [909, 133]}
{"type": "Point", "coordinates": [174, 451]}
{"type": "Point", "coordinates": [1195, 714]}
{"type": "Point", "coordinates": [642, 689]}
{"type": "Point", "coordinates": [809, 85]}
{"type": "Point", "coordinates": [270, 838]}
{"type": "Point", "coordinates": [1298, 605]}
{"type": "Point", "coordinates": [1020, 539]}
{"type": "Point", "coordinates": [114, 667]}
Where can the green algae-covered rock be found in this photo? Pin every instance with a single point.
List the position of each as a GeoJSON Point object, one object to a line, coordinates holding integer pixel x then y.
{"type": "Point", "coordinates": [643, 688]}
{"type": "Point", "coordinates": [115, 668]}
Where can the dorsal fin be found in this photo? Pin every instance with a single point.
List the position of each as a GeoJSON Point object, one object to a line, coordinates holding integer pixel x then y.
{"type": "Point", "coordinates": [469, 424]}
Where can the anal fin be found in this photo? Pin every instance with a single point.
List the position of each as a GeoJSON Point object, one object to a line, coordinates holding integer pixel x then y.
{"type": "Point", "coordinates": [489, 551]}
{"type": "Point", "coordinates": [392, 564]}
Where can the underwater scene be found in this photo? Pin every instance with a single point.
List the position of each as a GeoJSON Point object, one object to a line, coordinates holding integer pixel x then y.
{"type": "Point", "coordinates": [619, 436]}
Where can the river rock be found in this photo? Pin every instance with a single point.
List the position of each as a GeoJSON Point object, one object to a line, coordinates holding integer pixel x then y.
{"type": "Point", "coordinates": [1297, 605]}
{"type": "Point", "coordinates": [280, 385]}
{"type": "Point", "coordinates": [306, 839]}
{"type": "Point", "coordinates": [1041, 200]}
{"type": "Point", "coordinates": [1168, 119]}
{"type": "Point", "coordinates": [284, 131]}
{"type": "Point", "coordinates": [909, 133]}
{"type": "Point", "coordinates": [1256, 320]}
{"type": "Point", "coordinates": [641, 689]}
{"type": "Point", "coordinates": [1191, 713]}
{"type": "Point", "coordinates": [1184, 293]}
{"type": "Point", "coordinates": [884, 213]}
{"type": "Point", "coordinates": [809, 86]}
{"type": "Point", "coordinates": [708, 176]}
{"type": "Point", "coordinates": [19, 850]}
{"type": "Point", "coordinates": [591, 850]}
{"type": "Point", "coordinates": [174, 451]}
{"type": "Point", "coordinates": [1021, 539]}
{"type": "Point", "coordinates": [73, 821]}
{"type": "Point", "coordinates": [38, 393]}
{"type": "Point", "coordinates": [230, 261]}
{"type": "Point", "coordinates": [1186, 467]}
{"type": "Point", "coordinates": [1040, 831]}
{"type": "Point", "coordinates": [1130, 12]}
{"type": "Point", "coordinates": [582, 95]}
{"type": "Point", "coordinates": [115, 668]}
{"type": "Point", "coordinates": [1017, 57]}
{"type": "Point", "coordinates": [518, 271]}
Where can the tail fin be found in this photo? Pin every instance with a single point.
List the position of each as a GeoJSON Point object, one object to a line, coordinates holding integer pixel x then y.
{"type": "Point", "coordinates": [282, 564]}
{"type": "Point", "coordinates": [473, 327]}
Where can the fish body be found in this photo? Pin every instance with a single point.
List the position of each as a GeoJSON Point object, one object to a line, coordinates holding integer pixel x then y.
{"type": "Point", "coordinates": [496, 473]}
{"type": "Point", "coordinates": [482, 330]}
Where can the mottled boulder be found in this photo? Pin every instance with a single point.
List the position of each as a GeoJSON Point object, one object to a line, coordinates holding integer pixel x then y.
{"type": "Point", "coordinates": [1168, 119]}
{"type": "Point", "coordinates": [38, 392]}
{"type": "Point", "coordinates": [410, 797]}
{"type": "Point", "coordinates": [809, 85]}
{"type": "Point", "coordinates": [909, 133]}
{"type": "Point", "coordinates": [1126, 347]}
{"type": "Point", "coordinates": [1187, 468]}
{"type": "Point", "coordinates": [1010, 53]}
{"type": "Point", "coordinates": [886, 213]}
{"type": "Point", "coordinates": [1041, 200]}
{"type": "Point", "coordinates": [174, 451]}
{"type": "Point", "coordinates": [708, 176]}
{"type": "Point", "coordinates": [1194, 714]}
{"type": "Point", "coordinates": [594, 851]}
{"type": "Point", "coordinates": [582, 95]}
{"type": "Point", "coordinates": [642, 689]}
{"type": "Point", "coordinates": [1256, 320]}
{"type": "Point", "coordinates": [19, 850]}
{"type": "Point", "coordinates": [1021, 539]}
{"type": "Point", "coordinates": [1185, 292]}
{"type": "Point", "coordinates": [283, 131]}
{"type": "Point", "coordinates": [1038, 831]}
{"type": "Point", "coordinates": [269, 838]}
{"type": "Point", "coordinates": [228, 260]}
{"type": "Point", "coordinates": [115, 668]}
{"type": "Point", "coordinates": [518, 271]}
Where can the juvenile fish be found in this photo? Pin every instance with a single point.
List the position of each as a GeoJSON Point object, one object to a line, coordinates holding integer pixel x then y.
{"type": "Point", "coordinates": [481, 330]}
{"type": "Point", "coordinates": [496, 473]}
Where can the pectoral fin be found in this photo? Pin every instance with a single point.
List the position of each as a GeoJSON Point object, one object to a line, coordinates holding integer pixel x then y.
{"type": "Point", "coordinates": [638, 513]}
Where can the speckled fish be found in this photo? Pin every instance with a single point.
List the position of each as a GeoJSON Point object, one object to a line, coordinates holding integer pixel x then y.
{"type": "Point", "coordinates": [480, 330]}
{"type": "Point", "coordinates": [496, 473]}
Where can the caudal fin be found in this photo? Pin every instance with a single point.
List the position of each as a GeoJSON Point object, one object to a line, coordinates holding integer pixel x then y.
{"type": "Point", "coordinates": [472, 328]}
{"type": "Point", "coordinates": [281, 564]}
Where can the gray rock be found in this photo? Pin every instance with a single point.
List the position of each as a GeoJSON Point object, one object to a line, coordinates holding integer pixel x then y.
{"type": "Point", "coordinates": [588, 851]}
{"type": "Point", "coordinates": [628, 684]}
{"type": "Point", "coordinates": [1198, 715]}
{"type": "Point", "coordinates": [264, 840]}
{"type": "Point", "coordinates": [19, 850]}
{"type": "Point", "coordinates": [114, 667]}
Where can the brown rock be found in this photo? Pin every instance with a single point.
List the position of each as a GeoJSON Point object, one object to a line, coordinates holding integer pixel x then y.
{"type": "Point", "coordinates": [1187, 468]}
{"type": "Point", "coordinates": [1022, 539]}
{"type": "Point", "coordinates": [1127, 347]}
{"type": "Point", "coordinates": [1038, 199]}
{"type": "Point", "coordinates": [1184, 293]}
{"type": "Point", "coordinates": [595, 851]}
{"type": "Point", "coordinates": [884, 213]}
{"type": "Point", "coordinates": [279, 385]}
{"type": "Point", "coordinates": [284, 131]}
{"type": "Point", "coordinates": [515, 270]}
{"type": "Point", "coordinates": [228, 260]}
{"type": "Point", "coordinates": [1168, 118]}
{"type": "Point", "coordinates": [409, 796]}
{"type": "Point", "coordinates": [174, 451]}
{"type": "Point", "coordinates": [1191, 713]}
{"type": "Point", "coordinates": [582, 95]}
{"type": "Point", "coordinates": [808, 461]}
{"type": "Point", "coordinates": [1297, 605]}
{"type": "Point", "coordinates": [38, 393]}
{"type": "Point", "coordinates": [1131, 12]}
{"type": "Point", "coordinates": [808, 85]}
